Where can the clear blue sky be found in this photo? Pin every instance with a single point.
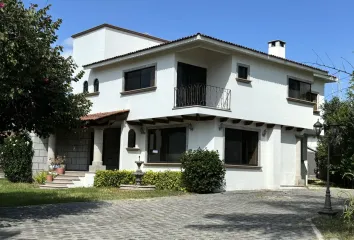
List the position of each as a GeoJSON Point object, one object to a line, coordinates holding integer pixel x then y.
{"type": "Point", "coordinates": [323, 26]}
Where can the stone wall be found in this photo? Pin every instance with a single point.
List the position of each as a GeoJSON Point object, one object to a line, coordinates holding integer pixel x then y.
{"type": "Point", "coordinates": [40, 157]}
{"type": "Point", "coordinates": [75, 146]}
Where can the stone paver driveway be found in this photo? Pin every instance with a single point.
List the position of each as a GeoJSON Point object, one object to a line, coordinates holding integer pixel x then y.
{"type": "Point", "coordinates": [231, 215]}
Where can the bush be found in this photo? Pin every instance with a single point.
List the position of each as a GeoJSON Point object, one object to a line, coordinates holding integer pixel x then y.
{"type": "Point", "coordinates": [40, 177]}
{"type": "Point", "coordinates": [203, 171]}
{"type": "Point", "coordinates": [168, 180]}
{"type": "Point", "coordinates": [16, 158]}
{"type": "Point", "coordinates": [113, 178]}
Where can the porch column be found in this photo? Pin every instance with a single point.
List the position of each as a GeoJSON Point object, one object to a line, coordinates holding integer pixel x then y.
{"type": "Point", "coordinates": [298, 180]}
{"type": "Point", "coordinates": [97, 163]}
{"type": "Point", "coordinates": [51, 148]}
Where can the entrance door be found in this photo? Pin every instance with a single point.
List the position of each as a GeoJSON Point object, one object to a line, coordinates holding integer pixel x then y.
{"type": "Point", "coordinates": [111, 148]}
{"type": "Point", "coordinates": [191, 85]}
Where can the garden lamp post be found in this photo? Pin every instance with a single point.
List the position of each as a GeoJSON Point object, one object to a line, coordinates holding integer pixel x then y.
{"type": "Point", "coordinates": [327, 209]}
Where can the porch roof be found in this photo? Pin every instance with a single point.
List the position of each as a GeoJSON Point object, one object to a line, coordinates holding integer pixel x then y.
{"type": "Point", "coordinates": [101, 115]}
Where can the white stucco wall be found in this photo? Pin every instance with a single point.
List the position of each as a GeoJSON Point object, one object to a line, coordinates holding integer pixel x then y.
{"type": "Point", "coordinates": [118, 42]}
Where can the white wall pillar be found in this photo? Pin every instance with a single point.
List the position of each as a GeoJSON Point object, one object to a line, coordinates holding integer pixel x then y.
{"type": "Point", "coordinates": [273, 173]}
{"type": "Point", "coordinates": [298, 162]}
{"type": "Point", "coordinates": [51, 148]}
{"type": "Point", "coordinates": [97, 163]}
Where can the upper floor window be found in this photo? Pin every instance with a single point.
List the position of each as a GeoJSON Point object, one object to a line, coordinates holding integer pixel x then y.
{"type": "Point", "coordinates": [141, 78]}
{"type": "Point", "coordinates": [243, 71]}
{"type": "Point", "coordinates": [314, 99]}
{"type": "Point", "coordinates": [96, 85]}
{"type": "Point", "coordinates": [300, 90]}
{"type": "Point", "coordinates": [85, 90]}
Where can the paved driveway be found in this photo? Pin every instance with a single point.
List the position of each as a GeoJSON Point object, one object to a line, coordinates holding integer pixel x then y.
{"type": "Point", "coordinates": [231, 215]}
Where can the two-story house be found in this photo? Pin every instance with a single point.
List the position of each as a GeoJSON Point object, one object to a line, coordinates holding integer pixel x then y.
{"type": "Point", "coordinates": [155, 99]}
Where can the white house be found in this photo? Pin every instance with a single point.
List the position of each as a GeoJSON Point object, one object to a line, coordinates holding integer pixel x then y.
{"type": "Point", "coordinates": [155, 99]}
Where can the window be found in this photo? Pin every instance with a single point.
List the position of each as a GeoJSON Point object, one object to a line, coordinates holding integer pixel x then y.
{"type": "Point", "coordinates": [242, 71]}
{"type": "Point", "coordinates": [96, 85]}
{"type": "Point", "coordinates": [166, 145]}
{"type": "Point", "coordinates": [241, 147]}
{"type": "Point", "coordinates": [281, 44]}
{"type": "Point", "coordinates": [138, 79]}
{"type": "Point", "coordinates": [314, 100]}
{"type": "Point", "coordinates": [85, 90]}
{"type": "Point", "coordinates": [131, 138]}
{"type": "Point", "coordinates": [300, 90]}
{"type": "Point", "coordinates": [273, 44]}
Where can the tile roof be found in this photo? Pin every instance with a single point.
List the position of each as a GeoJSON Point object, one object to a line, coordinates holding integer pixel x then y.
{"type": "Point", "coordinates": [212, 38]}
{"type": "Point", "coordinates": [119, 29]}
{"type": "Point", "coordinates": [100, 115]}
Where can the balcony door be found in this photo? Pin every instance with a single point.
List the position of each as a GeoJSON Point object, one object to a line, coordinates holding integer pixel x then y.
{"type": "Point", "coordinates": [191, 85]}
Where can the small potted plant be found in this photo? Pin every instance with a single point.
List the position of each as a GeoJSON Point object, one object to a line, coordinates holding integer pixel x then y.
{"type": "Point", "coordinates": [50, 176]}
{"type": "Point", "coordinates": [60, 164]}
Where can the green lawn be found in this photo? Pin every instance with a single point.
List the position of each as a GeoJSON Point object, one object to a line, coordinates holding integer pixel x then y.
{"type": "Point", "coordinates": [334, 228]}
{"type": "Point", "coordinates": [22, 194]}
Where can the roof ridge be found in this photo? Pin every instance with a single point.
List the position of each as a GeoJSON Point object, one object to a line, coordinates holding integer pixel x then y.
{"type": "Point", "coordinates": [119, 29]}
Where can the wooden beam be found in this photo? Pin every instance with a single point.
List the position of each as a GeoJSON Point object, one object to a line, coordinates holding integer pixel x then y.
{"type": "Point", "coordinates": [160, 120]}
{"type": "Point", "coordinates": [270, 125]}
{"type": "Point", "coordinates": [236, 121]}
{"type": "Point", "coordinates": [289, 128]}
{"type": "Point", "coordinates": [207, 118]}
{"type": "Point", "coordinates": [248, 122]}
{"type": "Point", "coordinates": [147, 122]}
{"type": "Point", "coordinates": [259, 124]}
{"type": "Point", "coordinates": [174, 119]}
{"type": "Point", "coordinates": [223, 119]}
{"type": "Point", "coordinates": [299, 129]}
{"type": "Point", "coordinates": [134, 123]}
{"type": "Point", "coordinates": [190, 118]}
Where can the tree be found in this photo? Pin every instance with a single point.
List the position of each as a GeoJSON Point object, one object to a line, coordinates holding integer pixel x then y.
{"type": "Point", "coordinates": [341, 141]}
{"type": "Point", "coordinates": [35, 80]}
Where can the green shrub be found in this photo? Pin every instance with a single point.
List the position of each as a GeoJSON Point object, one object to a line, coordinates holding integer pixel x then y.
{"type": "Point", "coordinates": [203, 171]}
{"type": "Point", "coordinates": [113, 178]}
{"type": "Point", "coordinates": [16, 155]}
{"type": "Point", "coordinates": [40, 177]}
{"type": "Point", "coordinates": [167, 180]}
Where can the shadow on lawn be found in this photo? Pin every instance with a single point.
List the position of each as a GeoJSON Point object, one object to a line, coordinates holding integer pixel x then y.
{"type": "Point", "coordinates": [8, 234]}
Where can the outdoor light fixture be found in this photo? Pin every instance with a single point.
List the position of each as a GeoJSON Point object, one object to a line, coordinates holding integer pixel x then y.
{"type": "Point", "coordinates": [327, 209]}
{"type": "Point", "coordinates": [264, 132]}
{"type": "Point", "coordinates": [318, 127]}
{"type": "Point", "coordinates": [190, 126]}
{"type": "Point", "coordinates": [142, 130]}
{"type": "Point", "coordinates": [221, 126]}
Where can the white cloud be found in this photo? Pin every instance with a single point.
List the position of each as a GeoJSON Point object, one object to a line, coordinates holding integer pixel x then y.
{"type": "Point", "coordinates": [68, 47]}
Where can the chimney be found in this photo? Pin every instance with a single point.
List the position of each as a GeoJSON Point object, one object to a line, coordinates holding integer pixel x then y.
{"type": "Point", "coordinates": [276, 48]}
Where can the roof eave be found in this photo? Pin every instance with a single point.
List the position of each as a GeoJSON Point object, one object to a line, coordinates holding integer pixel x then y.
{"type": "Point", "coordinates": [325, 77]}
{"type": "Point", "coordinates": [142, 53]}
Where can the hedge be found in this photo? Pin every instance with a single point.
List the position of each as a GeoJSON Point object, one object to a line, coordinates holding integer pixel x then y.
{"type": "Point", "coordinates": [167, 180]}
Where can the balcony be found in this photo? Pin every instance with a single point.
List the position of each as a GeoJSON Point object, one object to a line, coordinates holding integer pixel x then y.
{"type": "Point", "coordinates": [202, 95]}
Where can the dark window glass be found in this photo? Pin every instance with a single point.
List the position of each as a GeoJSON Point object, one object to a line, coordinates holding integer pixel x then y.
{"type": "Point", "coordinates": [85, 90]}
{"type": "Point", "coordinates": [281, 44]}
{"type": "Point", "coordinates": [300, 90]}
{"type": "Point", "coordinates": [273, 44]}
{"type": "Point", "coordinates": [242, 72]}
{"type": "Point", "coordinates": [241, 147]}
{"type": "Point", "coordinates": [141, 78]}
{"type": "Point", "coordinates": [314, 99]}
{"type": "Point", "coordinates": [96, 85]}
{"type": "Point", "coordinates": [131, 138]}
{"type": "Point", "coordinates": [167, 144]}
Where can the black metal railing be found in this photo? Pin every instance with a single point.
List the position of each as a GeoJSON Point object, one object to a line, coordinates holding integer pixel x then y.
{"type": "Point", "coordinates": [202, 95]}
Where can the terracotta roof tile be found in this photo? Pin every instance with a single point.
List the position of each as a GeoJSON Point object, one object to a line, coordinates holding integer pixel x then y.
{"type": "Point", "coordinates": [99, 115]}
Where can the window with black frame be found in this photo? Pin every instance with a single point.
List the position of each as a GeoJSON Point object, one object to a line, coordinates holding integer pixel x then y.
{"type": "Point", "coordinates": [300, 90]}
{"type": "Point", "coordinates": [242, 71]}
{"type": "Point", "coordinates": [138, 79]}
{"type": "Point", "coordinates": [166, 144]}
{"type": "Point", "coordinates": [85, 87]}
{"type": "Point", "coordinates": [241, 147]}
{"type": "Point", "coordinates": [96, 85]}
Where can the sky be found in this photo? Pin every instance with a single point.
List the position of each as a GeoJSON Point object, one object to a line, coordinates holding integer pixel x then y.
{"type": "Point", "coordinates": [315, 31]}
